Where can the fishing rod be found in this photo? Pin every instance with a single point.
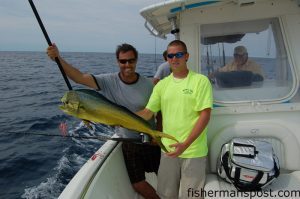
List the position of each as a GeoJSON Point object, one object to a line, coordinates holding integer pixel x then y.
{"type": "Point", "coordinates": [49, 42]}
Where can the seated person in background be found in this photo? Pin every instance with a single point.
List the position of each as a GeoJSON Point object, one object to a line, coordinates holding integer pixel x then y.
{"type": "Point", "coordinates": [246, 68]}
{"type": "Point", "coordinates": [163, 70]}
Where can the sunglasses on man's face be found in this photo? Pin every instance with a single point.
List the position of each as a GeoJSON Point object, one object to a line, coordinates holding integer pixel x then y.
{"type": "Point", "coordinates": [129, 61]}
{"type": "Point", "coordinates": [177, 55]}
{"type": "Point", "coordinates": [239, 55]}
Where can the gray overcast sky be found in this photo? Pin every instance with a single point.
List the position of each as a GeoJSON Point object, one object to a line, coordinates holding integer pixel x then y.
{"type": "Point", "coordinates": [77, 25]}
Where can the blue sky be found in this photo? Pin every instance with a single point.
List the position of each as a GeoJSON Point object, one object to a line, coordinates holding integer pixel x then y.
{"type": "Point", "coordinates": [77, 25]}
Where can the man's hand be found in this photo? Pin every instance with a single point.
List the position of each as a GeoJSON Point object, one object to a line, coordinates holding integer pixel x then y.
{"type": "Point", "coordinates": [179, 149]}
{"type": "Point", "coordinates": [52, 51]}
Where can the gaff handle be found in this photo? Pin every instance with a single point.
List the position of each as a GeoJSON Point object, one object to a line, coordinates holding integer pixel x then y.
{"type": "Point", "coordinates": [49, 43]}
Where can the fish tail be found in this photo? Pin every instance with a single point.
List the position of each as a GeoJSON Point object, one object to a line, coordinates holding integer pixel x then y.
{"type": "Point", "coordinates": [164, 135]}
{"type": "Point", "coordinates": [160, 144]}
{"type": "Point", "coordinates": [157, 135]}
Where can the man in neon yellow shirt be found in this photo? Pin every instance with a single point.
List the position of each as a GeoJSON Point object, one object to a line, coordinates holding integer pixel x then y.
{"type": "Point", "coordinates": [185, 100]}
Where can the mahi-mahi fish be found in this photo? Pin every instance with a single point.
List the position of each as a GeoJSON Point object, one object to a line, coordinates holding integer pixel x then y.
{"type": "Point", "coordinates": [90, 105]}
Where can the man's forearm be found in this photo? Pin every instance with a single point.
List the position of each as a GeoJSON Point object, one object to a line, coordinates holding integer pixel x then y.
{"type": "Point", "coordinates": [146, 114]}
{"type": "Point", "coordinates": [76, 75]}
{"type": "Point", "coordinates": [200, 125]}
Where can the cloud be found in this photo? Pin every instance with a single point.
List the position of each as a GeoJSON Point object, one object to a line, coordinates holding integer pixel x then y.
{"type": "Point", "coordinates": [76, 25]}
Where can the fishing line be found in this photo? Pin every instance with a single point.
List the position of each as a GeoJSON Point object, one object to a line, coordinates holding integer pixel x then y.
{"type": "Point", "coordinates": [96, 137]}
{"type": "Point", "coordinates": [49, 42]}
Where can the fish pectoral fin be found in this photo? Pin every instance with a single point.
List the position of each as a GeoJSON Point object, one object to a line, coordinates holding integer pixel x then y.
{"type": "Point", "coordinates": [164, 135]}
{"type": "Point", "coordinates": [87, 124]}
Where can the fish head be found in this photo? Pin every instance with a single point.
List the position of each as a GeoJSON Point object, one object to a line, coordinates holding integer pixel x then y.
{"type": "Point", "coordinates": [70, 103]}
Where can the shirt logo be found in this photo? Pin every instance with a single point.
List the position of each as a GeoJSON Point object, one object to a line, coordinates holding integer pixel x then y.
{"type": "Point", "coordinates": [187, 91]}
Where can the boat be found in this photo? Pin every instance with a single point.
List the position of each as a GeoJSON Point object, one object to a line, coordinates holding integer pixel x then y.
{"type": "Point", "coordinates": [269, 109]}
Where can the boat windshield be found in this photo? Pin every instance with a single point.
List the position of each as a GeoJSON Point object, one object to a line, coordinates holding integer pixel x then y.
{"type": "Point", "coordinates": [246, 61]}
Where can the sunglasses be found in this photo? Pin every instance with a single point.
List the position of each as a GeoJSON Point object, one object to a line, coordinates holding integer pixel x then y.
{"type": "Point", "coordinates": [129, 61]}
{"type": "Point", "coordinates": [177, 55]}
{"type": "Point", "coordinates": [238, 55]}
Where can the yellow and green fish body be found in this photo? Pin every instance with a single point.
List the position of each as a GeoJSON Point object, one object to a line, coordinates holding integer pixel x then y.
{"type": "Point", "coordinates": [92, 106]}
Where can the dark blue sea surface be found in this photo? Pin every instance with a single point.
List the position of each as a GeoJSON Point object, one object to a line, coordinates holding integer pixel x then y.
{"type": "Point", "coordinates": [31, 86]}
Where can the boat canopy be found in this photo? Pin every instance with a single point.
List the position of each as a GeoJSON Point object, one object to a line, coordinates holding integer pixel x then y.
{"type": "Point", "coordinates": [161, 19]}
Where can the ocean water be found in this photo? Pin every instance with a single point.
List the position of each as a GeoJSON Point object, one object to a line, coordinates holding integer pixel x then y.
{"type": "Point", "coordinates": [33, 166]}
